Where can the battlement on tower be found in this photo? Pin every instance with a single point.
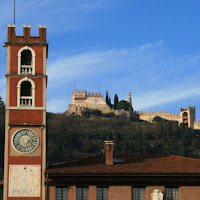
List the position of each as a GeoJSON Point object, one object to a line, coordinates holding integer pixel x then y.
{"type": "Point", "coordinates": [187, 109]}
{"type": "Point", "coordinates": [26, 38]}
{"type": "Point", "coordinates": [79, 94]}
{"type": "Point", "coordinates": [94, 94]}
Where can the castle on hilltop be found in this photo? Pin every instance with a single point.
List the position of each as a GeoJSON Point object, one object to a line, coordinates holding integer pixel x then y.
{"type": "Point", "coordinates": [186, 116]}
{"type": "Point", "coordinates": [82, 100]}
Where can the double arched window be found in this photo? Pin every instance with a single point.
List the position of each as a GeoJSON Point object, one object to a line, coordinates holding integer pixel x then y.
{"type": "Point", "coordinates": [26, 93]}
{"type": "Point", "coordinates": [26, 60]}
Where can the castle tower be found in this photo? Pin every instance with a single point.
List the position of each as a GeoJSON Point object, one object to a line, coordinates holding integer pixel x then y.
{"type": "Point", "coordinates": [130, 101]}
{"type": "Point", "coordinates": [188, 116]}
{"type": "Point", "coordinates": [129, 98]}
{"type": "Point", "coordinates": [25, 126]}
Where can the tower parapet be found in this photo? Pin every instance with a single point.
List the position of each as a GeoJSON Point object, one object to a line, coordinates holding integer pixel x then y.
{"type": "Point", "coordinates": [94, 94]}
{"type": "Point", "coordinates": [26, 38]}
{"type": "Point", "coordinates": [79, 94]}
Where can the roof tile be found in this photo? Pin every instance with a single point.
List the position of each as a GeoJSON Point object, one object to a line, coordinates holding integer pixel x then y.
{"type": "Point", "coordinates": [128, 164]}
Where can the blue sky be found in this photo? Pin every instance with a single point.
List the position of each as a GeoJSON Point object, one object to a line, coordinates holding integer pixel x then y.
{"type": "Point", "coordinates": [150, 48]}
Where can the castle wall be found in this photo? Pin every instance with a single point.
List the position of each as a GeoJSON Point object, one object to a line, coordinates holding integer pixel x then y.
{"type": "Point", "coordinates": [197, 125]}
{"type": "Point", "coordinates": [149, 116]}
{"type": "Point", "coordinates": [82, 100]}
{"type": "Point", "coordinates": [95, 101]}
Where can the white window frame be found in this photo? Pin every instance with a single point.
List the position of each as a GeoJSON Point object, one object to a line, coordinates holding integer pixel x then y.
{"type": "Point", "coordinates": [32, 89]}
{"type": "Point", "coordinates": [33, 59]}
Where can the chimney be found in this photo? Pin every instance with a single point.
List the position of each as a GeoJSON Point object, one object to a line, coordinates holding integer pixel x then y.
{"type": "Point", "coordinates": [109, 148]}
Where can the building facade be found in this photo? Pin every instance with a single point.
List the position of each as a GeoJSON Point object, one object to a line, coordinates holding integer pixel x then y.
{"type": "Point", "coordinates": [25, 125]}
{"type": "Point", "coordinates": [124, 177]}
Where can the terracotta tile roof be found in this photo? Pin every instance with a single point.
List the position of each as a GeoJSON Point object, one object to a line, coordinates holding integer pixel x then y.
{"type": "Point", "coordinates": [127, 164]}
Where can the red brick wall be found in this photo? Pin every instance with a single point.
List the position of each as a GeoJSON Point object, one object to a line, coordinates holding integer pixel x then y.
{"type": "Point", "coordinates": [38, 92]}
{"type": "Point", "coordinates": [189, 193]}
{"type": "Point", "coordinates": [38, 60]}
{"type": "Point", "coordinates": [125, 192]}
{"type": "Point", "coordinates": [92, 193]}
{"type": "Point", "coordinates": [120, 193]}
{"type": "Point", "coordinates": [26, 116]}
{"type": "Point", "coordinates": [14, 59]}
{"type": "Point", "coordinates": [13, 91]}
{"type": "Point", "coordinates": [26, 36]}
{"type": "Point", "coordinates": [72, 192]}
{"type": "Point", "coordinates": [51, 193]}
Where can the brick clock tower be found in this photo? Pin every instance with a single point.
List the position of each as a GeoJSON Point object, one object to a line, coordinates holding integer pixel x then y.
{"type": "Point", "coordinates": [25, 126]}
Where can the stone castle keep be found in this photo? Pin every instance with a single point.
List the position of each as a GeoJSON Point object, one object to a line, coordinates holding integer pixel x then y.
{"type": "Point", "coordinates": [94, 101]}
{"type": "Point", "coordinates": [82, 100]}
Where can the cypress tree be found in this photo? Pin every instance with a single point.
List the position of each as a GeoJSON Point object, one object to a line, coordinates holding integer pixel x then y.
{"type": "Point", "coordinates": [116, 100]}
{"type": "Point", "coordinates": [109, 102]}
{"type": "Point", "coordinates": [107, 96]}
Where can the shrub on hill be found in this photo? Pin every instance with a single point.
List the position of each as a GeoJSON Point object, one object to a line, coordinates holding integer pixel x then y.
{"type": "Point", "coordinates": [79, 136]}
{"type": "Point", "coordinates": [96, 113]}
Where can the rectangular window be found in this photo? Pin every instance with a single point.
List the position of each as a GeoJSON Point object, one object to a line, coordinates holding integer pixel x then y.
{"type": "Point", "coordinates": [82, 193]}
{"type": "Point", "coordinates": [138, 193]}
{"type": "Point", "coordinates": [171, 193]}
{"type": "Point", "coordinates": [102, 193]}
{"type": "Point", "coordinates": [61, 193]}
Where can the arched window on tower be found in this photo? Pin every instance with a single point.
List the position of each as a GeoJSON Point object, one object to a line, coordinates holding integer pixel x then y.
{"type": "Point", "coordinates": [26, 92]}
{"type": "Point", "coordinates": [26, 61]}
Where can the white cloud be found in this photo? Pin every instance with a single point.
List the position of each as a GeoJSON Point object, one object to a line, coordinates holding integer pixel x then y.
{"type": "Point", "coordinates": [153, 78]}
{"type": "Point", "coordinates": [164, 96]}
{"type": "Point", "coordinates": [72, 67]}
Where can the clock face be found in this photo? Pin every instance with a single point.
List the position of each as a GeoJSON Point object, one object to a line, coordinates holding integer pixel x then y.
{"type": "Point", "coordinates": [25, 141]}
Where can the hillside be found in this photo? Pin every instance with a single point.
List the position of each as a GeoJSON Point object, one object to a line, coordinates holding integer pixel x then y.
{"type": "Point", "coordinates": [75, 136]}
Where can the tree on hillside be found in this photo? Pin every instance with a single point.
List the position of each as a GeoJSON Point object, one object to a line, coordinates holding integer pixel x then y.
{"type": "Point", "coordinates": [116, 100]}
{"type": "Point", "coordinates": [123, 105]}
{"type": "Point", "coordinates": [2, 104]}
{"type": "Point", "coordinates": [107, 96]}
{"type": "Point", "coordinates": [109, 102]}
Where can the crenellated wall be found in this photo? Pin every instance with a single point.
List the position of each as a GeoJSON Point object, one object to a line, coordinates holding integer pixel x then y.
{"type": "Point", "coordinates": [82, 100]}
{"type": "Point", "coordinates": [186, 116]}
{"type": "Point", "coordinates": [149, 116]}
{"type": "Point", "coordinates": [94, 101]}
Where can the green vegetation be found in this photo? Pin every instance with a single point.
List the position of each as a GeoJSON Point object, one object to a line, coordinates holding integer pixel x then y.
{"type": "Point", "coordinates": [118, 105]}
{"type": "Point", "coordinates": [76, 136]}
{"type": "Point", "coordinates": [116, 101]}
{"type": "Point", "coordinates": [108, 100]}
{"type": "Point", "coordinates": [123, 105]}
{"type": "Point", "coordinates": [80, 136]}
{"type": "Point", "coordinates": [96, 113]}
